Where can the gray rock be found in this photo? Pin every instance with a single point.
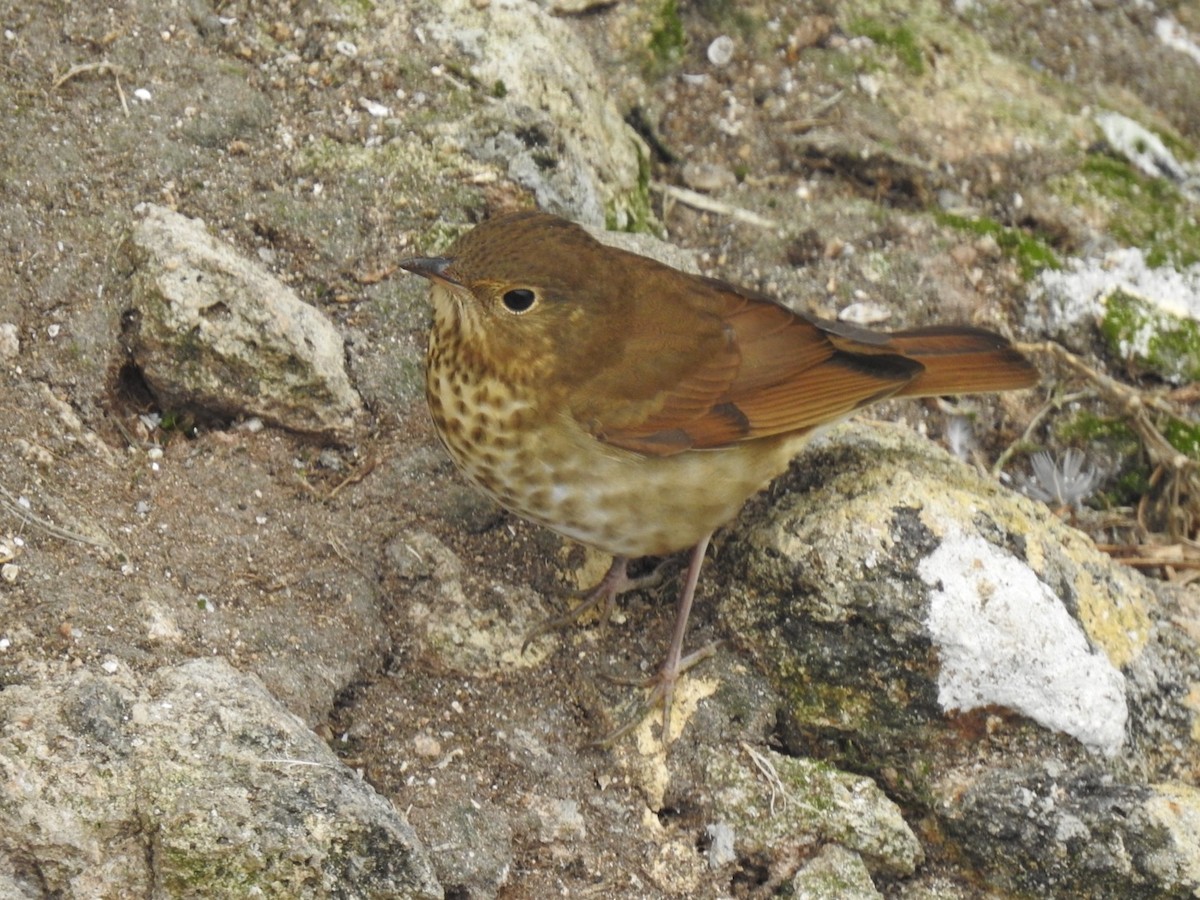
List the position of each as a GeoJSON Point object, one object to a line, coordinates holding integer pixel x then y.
{"type": "Point", "coordinates": [835, 873]}
{"type": "Point", "coordinates": [466, 631]}
{"type": "Point", "coordinates": [215, 332]}
{"type": "Point", "coordinates": [649, 245]}
{"type": "Point", "coordinates": [780, 806]}
{"type": "Point", "coordinates": [10, 340]}
{"type": "Point", "coordinates": [192, 782]}
{"type": "Point", "coordinates": [471, 845]}
{"type": "Point", "coordinates": [1087, 833]}
{"type": "Point", "coordinates": [553, 125]}
{"type": "Point", "coordinates": [1147, 316]}
{"type": "Point", "coordinates": [919, 619]}
{"type": "Point", "coordinates": [708, 177]}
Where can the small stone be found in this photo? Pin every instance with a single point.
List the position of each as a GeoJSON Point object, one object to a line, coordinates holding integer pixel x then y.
{"type": "Point", "coordinates": [720, 51]}
{"type": "Point", "coordinates": [374, 109]}
{"type": "Point", "coordinates": [835, 871]}
{"type": "Point", "coordinates": [254, 349]}
{"type": "Point", "coordinates": [865, 313]}
{"type": "Point", "coordinates": [720, 851]}
{"type": "Point", "coordinates": [427, 746]}
{"type": "Point", "coordinates": [10, 341]}
{"type": "Point", "coordinates": [557, 820]}
{"type": "Point", "coordinates": [707, 177]}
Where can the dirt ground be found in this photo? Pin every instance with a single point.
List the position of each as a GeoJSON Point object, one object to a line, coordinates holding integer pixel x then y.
{"type": "Point", "coordinates": [143, 541]}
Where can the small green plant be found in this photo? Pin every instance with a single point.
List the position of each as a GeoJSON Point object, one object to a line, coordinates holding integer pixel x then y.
{"type": "Point", "coordinates": [1146, 212]}
{"type": "Point", "coordinates": [668, 40]}
{"type": "Point", "coordinates": [900, 40]}
{"type": "Point", "coordinates": [1031, 253]}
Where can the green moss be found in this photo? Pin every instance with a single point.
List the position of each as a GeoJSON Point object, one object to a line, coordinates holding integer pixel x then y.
{"type": "Point", "coordinates": [1141, 211]}
{"type": "Point", "coordinates": [1031, 253]}
{"type": "Point", "coordinates": [1128, 488]}
{"type": "Point", "coordinates": [1086, 427]}
{"type": "Point", "coordinates": [636, 214]}
{"type": "Point", "coordinates": [1183, 436]}
{"type": "Point", "coordinates": [901, 40]}
{"type": "Point", "coordinates": [668, 40]}
{"type": "Point", "coordinates": [728, 14]}
{"type": "Point", "coordinates": [362, 7]}
{"type": "Point", "coordinates": [1164, 344]}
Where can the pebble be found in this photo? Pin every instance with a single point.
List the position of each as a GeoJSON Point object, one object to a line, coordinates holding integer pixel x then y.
{"type": "Point", "coordinates": [707, 177]}
{"type": "Point", "coordinates": [865, 313]}
{"type": "Point", "coordinates": [720, 51]}
{"type": "Point", "coordinates": [721, 851]}
{"type": "Point", "coordinates": [426, 746]}
{"type": "Point", "coordinates": [10, 341]}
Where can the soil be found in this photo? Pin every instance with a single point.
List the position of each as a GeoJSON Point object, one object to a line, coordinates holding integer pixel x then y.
{"type": "Point", "coordinates": [147, 541]}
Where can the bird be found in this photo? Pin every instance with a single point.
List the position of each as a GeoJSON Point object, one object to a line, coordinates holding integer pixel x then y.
{"type": "Point", "coordinates": [634, 408]}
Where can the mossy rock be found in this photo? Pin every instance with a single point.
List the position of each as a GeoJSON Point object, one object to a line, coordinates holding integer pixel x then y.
{"type": "Point", "coordinates": [1152, 337]}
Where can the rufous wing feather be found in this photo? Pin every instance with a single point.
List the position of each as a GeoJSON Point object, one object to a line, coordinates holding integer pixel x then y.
{"type": "Point", "coordinates": [781, 372]}
{"type": "Point", "coordinates": [777, 372]}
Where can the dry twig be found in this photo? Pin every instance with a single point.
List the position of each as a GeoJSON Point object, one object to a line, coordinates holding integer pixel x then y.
{"type": "Point", "coordinates": [1175, 473]}
{"type": "Point", "coordinates": [103, 67]}
{"type": "Point", "coordinates": [703, 202]}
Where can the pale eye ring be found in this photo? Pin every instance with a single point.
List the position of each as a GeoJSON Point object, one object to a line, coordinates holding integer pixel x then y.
{"type": "Point", "coordinates": [519, 300]}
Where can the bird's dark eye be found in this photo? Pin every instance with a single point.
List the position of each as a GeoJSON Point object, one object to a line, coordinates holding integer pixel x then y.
{"type": "Point", "coordinates": [519, 300]}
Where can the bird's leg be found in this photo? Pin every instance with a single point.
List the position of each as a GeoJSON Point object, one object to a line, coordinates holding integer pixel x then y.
{"type": "Point", "coordinates": [616, 581]}
{"type": "Point", "coordinates": [662, 684]}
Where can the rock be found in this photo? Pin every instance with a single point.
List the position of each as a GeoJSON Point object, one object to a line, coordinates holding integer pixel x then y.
{"type": "Point", "coordinates": [471, 846]}
{"type": "Point", "coordinates": [648, 245]}
{"type": "Point", "coordinates": [1141, 146]}
{"type": "Point", "coordinates": [476, 631]}
{"type": "Point", "coordinates": [707, 177]}
{"type": "Point", "coordinates": [1055, 832]}
{"type": "Point", "coordinates": [1149, 317]}
{"type": "Point", "coordinates": [213, 331]}
{"type": "Point", "coordinates": [720, 51]}
{"type": "Point", "coordinates": [555, 820]}
{"type": "Point", "coordinates": [980, 659]}
{"type": "Point", "coordinates": [554, 127]}
{"type": "Point", "coordinates": [865, 313]}
{"type": "Point", "coordinates": [835, 873]}
{"type": "Point", "coordinates": [1149, 333]}
{"type": "Point", "coordinates": [10, 340]}
{"type": "Point", "coordinates": [779, 807]}
{"type": "Point", "coordinates": [190, 782]}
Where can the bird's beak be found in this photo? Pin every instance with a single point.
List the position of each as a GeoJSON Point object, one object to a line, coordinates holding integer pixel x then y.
{"type": "Point", "coordinates": [431, 267]}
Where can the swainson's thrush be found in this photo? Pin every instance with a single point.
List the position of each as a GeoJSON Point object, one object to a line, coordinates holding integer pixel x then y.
{"type": "Point", "coordinates": [634, 407]}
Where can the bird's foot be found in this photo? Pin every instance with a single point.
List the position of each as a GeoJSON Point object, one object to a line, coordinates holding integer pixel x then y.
{"type": "Point", "coordinates": [616, 581]}
{"type": "Point", "coordinates": [661, 687]}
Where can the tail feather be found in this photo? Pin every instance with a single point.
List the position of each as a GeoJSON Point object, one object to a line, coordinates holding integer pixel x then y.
{"type": "Point", "coordinates": [959, 359]}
